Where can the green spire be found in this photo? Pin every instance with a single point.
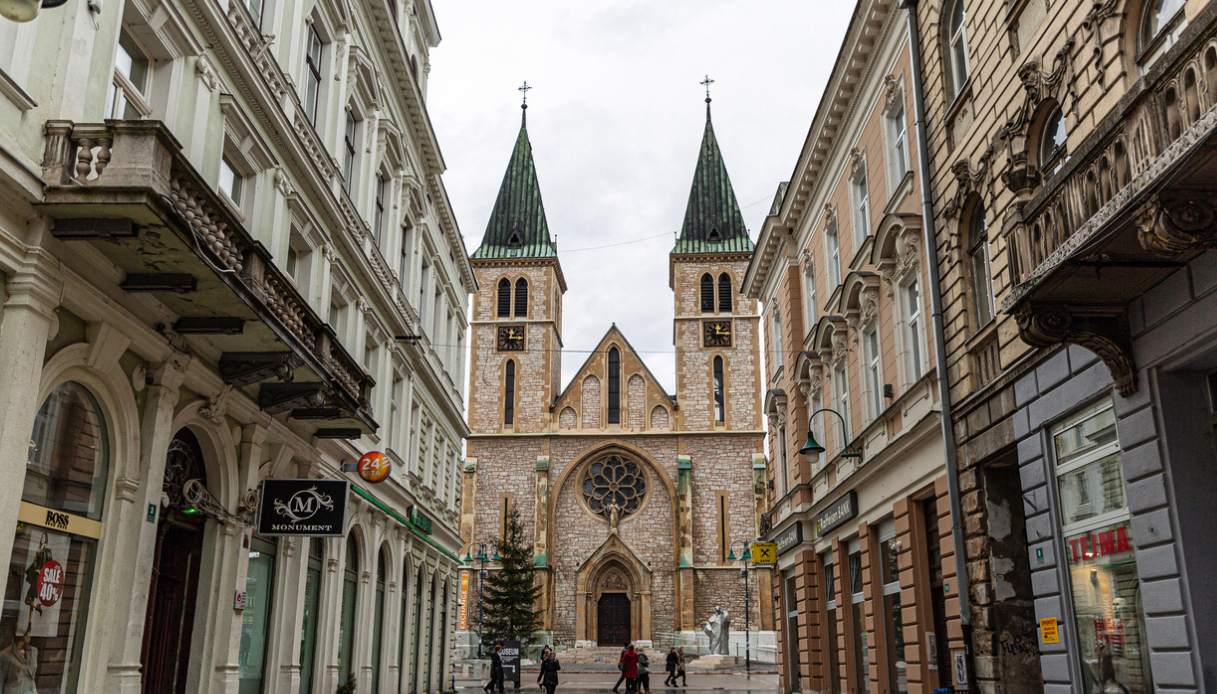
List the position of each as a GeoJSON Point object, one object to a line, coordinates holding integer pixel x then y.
{"type": "Point", "coordinates": [713, 223]}
{"type": "Point", "coordinates": [517, 226]}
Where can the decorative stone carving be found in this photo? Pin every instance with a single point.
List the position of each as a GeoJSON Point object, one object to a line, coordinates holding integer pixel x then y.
{"type": "Point", "coordinates": [893, 95]}
{"type": "Point", "coordinates": [207, 74]}
{"type": "Point", "coordinates": [857, 164]}
{"type": "Point", "coordinates": [1102, 330]}
{"type": "Point", "coordinates": [870, 304]}
{"type": "Point", "coordinates": [1093, 24]}
{"type": "Point", "coordinates": [1021, 173]}
{"type": "Point", "coordinates": [614, 482]}
{"type": "Point", "coordinates": [968, 180]}
{"type": "Point", "coordinates": [1171, 226]}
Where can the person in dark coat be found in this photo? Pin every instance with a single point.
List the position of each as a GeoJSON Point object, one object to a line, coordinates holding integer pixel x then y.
{"type": "Point", "coordinates": [670, 667]}
{"type": "Point", "coordinates": [548, 676]}
{"type": "Point", "coordinates": [644, 672]}
{"type": "Point", "coordinates": [496, 671]}
{"type": "Point", "coordinates": [680, 668]}
{"type": "Point", "coordinates": [621, 667]}
{"type": "Point", "coordinates": [629, 668]}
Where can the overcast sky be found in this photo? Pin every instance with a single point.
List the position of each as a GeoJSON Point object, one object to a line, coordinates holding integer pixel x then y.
{"type": "Point", "coordinates": [615, 118]}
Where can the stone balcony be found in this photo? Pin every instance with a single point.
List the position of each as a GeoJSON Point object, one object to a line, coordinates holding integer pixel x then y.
{"type": "Point", "coordinates": [125, 188]}
{"type": "Point", "coordinates": [1134, 202]}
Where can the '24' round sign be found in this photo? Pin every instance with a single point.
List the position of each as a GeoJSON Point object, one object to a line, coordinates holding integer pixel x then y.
{"type": "Point", "coordinates": [50, 583]}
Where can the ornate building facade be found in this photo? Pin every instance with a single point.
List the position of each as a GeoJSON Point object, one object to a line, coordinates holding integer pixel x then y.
{"type": "Point", "coordinates": [634, 497]}
{"type": "Point", "coordinates": [226, 256]}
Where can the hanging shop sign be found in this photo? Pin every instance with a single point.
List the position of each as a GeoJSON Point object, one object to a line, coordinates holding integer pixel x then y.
{"type": "Point", "coordinates": [420, 520]}
{"type": "Point", "coordinates": [764, 553]}
{"type": "Point", "coordinates": [789, 538]}
{"type": "Point", "coordinates": [837, 513]}
{"type": "Point", "coordinates": [312, 508]}
{"type": "Point", "coordinates": [373, 467]}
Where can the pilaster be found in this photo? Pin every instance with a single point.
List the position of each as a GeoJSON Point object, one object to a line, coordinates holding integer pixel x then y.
{"type": "Point", "coordinates": [684, 527]}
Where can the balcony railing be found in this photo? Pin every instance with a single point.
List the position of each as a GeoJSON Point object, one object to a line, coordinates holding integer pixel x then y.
{"type": "Point", "coordinates": [1167, 115]}
{"type": "Point", "coordinates": [127, 186]}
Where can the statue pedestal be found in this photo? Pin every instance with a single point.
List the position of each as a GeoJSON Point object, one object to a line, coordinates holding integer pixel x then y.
{"type": "Point", "coordinates": [706, 663]}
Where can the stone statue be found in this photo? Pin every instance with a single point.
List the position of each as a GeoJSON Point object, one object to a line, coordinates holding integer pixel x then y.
{"type": "Point", "coordinates": [614, 516]}
{"type": "Point", "coordinates": [718, 629]}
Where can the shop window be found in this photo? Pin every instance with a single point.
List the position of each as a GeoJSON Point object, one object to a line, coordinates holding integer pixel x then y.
{"type": "Point", "coordinates": [857, 617]}
{"type": "Point", "coordinates": [791, 607]}
{"type": "Point", "coordinates": [312, 613]}
{"type": "Point", "coordinates": [1102, 566]}
{"type": "Point", "coordinates": [832, 674]}
{"type": "Point", "coordinates": [427, 683]}
{"type": "Point", "coordinates": [346, 624]}
{"type": "Point", "coordinates": [889, 569]}
{"type": "Point", "coordinates": [50, 571]}
{"type": "Point", "coordinates": [255, 619]}
{"type": "Point", "coordinates": [418, 626]}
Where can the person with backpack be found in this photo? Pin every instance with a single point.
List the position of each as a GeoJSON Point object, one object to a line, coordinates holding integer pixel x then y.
{"type": "Point", "coordinates": [629, 668]}
{"type": "Point", "coordinates": [621, 667]}
{"type": "Point", "coordinates": [680, 668]}
{"type": "Point", "coordinates": [670, 667]}
{"type": "Point", "coordinates": [644, 672]}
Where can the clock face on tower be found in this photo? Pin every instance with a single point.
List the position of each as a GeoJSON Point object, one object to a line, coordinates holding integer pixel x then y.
{"type": "Point", "coordinates": [716, 333]}
{"type": "Point", "coordinates": [511, 338]}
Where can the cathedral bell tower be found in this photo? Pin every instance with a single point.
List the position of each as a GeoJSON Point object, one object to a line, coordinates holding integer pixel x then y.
{"type": "Point", "coordinates": [716, 331]}
{"type": "Point", "coordinates": [515, 346]}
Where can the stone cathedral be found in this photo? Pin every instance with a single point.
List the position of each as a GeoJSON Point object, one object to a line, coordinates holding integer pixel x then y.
{"type": "Point", "coordinates": [633, 496]}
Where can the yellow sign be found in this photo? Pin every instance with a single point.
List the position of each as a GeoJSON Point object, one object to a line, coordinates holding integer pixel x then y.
{"type": "Point", "coordinates": [462, 621]}
{"type": "Point", "coordinates": [1049, 633]}
{"type": "Point", "coordinates": [764, 553]}
{"type": "Point", "coordinates": [44, 517]}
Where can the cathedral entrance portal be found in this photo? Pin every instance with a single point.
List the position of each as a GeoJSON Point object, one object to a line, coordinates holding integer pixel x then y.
{"type": "Point", "coordinates": [613, 619]}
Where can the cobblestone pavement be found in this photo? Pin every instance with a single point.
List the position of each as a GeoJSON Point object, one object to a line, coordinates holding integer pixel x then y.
{"type": "Point", "coordinates": [581, 682]}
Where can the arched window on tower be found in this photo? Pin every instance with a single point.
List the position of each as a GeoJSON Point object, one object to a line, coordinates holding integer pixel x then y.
{"type": "Point", "coordinates": [521, 298]}
{"type": "Point", "coordinates": [504, 298]}
{"type": "Point", "coordinates": [719, 399]}
{"type": "Point", "coordinates": [724, 292]}
{"type": "Point", "coordinates": [707, 293]}
{"type": "Point", "coordinates": [509, 393]}
{"type": "Point", "coordinates": [614, 386]}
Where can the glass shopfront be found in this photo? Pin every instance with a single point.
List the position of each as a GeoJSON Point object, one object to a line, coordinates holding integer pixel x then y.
{"type": "Point", "coordinates": [1102, 568]}
{"type": "Point", "coordinates": [889, 550]}
{"type": "Point", "coordinates": [857, 613]}
{"type": "Point", "coordinates": [50, 572]}
{"type": "Point", "coordinates": [255, 618]}
{"type": "Point", "coordinates": [312, 607]}
{"type": "Point", "coordinates": [831, 670]}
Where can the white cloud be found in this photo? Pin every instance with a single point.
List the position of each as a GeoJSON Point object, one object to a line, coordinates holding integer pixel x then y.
{"type": "Point", "coordinates": [615, 121]}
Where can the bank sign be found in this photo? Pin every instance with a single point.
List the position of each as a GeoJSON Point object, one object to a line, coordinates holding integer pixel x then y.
{"type": "Point", "coordinates": [312, 508]}
{"type": "Point", "coordinates": [837, 513]}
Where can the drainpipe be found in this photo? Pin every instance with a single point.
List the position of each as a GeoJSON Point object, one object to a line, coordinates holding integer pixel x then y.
{"type": "Point", "coordinates": [963, 588]}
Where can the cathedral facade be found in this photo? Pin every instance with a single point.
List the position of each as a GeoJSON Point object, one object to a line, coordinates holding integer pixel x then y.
{"type": "Point", "coordinates": [638, 501]}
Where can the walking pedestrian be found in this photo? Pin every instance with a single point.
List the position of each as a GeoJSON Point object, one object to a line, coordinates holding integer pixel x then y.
{"type": "Point", "coordinates": [629, 668]}
{"type": "Point", "coordinates": [548, 676]}
{"type": "Point", "coordinates": [496, 671]}
{"type": "Point", "coordinates": [621, 667]}
{"type": "Point", "coordinates": [680, 668]}
{"type": "Point", "coordinates": [644, 672]}
{"type": "Point", "coordinates": [670, 667]}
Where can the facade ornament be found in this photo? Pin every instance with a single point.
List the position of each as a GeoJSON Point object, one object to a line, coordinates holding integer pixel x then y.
{"type": "Point", "coordinates": [1174, 226]}
{"type": "Point", "coordinates": [283, 183]}
{"type": "Point", "coordinates": [206, 73]}
{"type": "Point", "coordinates": [1093, 24]}
{"type": "Point", "coordinates": [857, 164]}
{"type": "Point", "coordinates": [1102, 330]}
{"type": "Point", "coordinates": [870, 304]}
{"type": "Point", "coordinates": [968, 181]}
{"type": "Point", "coordinates": [213, 410]}
{"type": "Point", "coordinates": [807, 260]}
{"type": "Point", "coordinates": [1021, 173]}
{"type": "Point", "coordinates": [893, 95]}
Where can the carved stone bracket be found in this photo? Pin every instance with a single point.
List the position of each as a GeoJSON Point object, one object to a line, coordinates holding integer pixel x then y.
{"type": "Point", "coordinates": [1101, 329]}
{"type": "Point", "coordinates": [1177, 224]}
{"type": "Point", "coordinates": [1022, 173]}
{"type": "Point", "coordinates": [968, 180]}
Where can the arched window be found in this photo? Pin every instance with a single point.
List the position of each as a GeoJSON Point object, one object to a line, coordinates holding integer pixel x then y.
{"type": "Point", "coordinates": [707, 293]}
{"type": "Point", "coordinates": [509, 393]}
{"type": "Point", "coordinates": [719, 399]}
{"type": "Point", "coordinates": [724, 292]}
{"type": "Point", "coordinates": [1161, 26]}
{"type": "Point", "coordinates": [521, 298]}
{"type": "Point", "coordinates": [346, 624]}
{"type": "Point", "coordinates": [1053, 143]}
{"type": "Point", "coordinates": [504, 298]}
{"type": "Point", "coordinates": [957, 46]}
{"type": "Point", "coordinates": [978, 263]}
{"type": "Point", "coordinates": [614, 386]}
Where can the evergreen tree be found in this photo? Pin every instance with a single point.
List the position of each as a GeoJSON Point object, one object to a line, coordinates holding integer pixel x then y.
{"type": "Point", "coordinates": [509, 596]}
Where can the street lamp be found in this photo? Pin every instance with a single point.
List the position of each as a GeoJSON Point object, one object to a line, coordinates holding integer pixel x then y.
{"type": "Point", "coordinates": [25, 10]}
{"type": "Point", "coordinates": [813, 446]}
{"type": "Point", "coordinates": [482, 558]}
{"type": "Point", "coordinates": [746, 558]}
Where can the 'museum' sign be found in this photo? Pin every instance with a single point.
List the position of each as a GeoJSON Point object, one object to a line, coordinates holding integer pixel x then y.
{"type": "Point", "coordinates": [837, 513]}
{"type": "Point", "coordinates": [313, 508]}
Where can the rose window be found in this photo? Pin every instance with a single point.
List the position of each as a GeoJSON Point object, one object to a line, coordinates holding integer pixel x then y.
{"type": "Point", "coordinates": [614, 480]}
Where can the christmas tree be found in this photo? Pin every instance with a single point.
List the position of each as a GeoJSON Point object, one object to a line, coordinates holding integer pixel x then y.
{"type": "Point", "coordinates": [509, 595]}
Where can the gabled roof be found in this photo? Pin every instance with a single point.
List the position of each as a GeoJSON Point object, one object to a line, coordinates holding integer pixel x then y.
{"type": "Point", "coordinates": [614, 334]}
{"type": "Point", "coordinates": [517, 226]}
{"type": "Point", "coordinates": [713, 222]}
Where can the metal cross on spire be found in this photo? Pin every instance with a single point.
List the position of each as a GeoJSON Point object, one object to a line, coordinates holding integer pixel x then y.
{"type": "Point", "coordinates": [706, 83]}
{"type": "Point", "coordinates": [524, 89]}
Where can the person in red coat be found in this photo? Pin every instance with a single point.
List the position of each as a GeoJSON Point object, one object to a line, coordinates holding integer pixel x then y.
{"type": "Point", "coordinates": [629, 668]}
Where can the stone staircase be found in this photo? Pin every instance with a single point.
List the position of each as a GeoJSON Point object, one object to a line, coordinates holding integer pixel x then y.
{"type": "Point", "coordinates": [591, 655]}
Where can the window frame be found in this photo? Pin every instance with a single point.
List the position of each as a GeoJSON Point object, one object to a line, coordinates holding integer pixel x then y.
{"type": "Point", "coordinates": [874, 370]}
{"type": "Point", "coordinates": [833, 243]}
{"type": "Point", "coordinates": [129, 91]}
{"type": "Point", "coordinates": [725, 290]}
{"type": "Point", "coordinates": [519, 300]}
{"type": "Point", "coordinates": [379, 208]}
{"type": "Point", "coordinates": [314, 71]}
{"type": "Point", "coordinates": [840, 388]}
{"type": "Point", "coordinates": [1051, 160]}
{"type": "Point", "coordinates": [719, 376]}
{"type": "Point", "coordinates": [775, 327]}
{"type": "Point", "coordinates": [809, 296]}
{"type": "Point", "coordinates": [509, 393]}
{"type": "Point", "coordinates": [913, 329]}
{"type": "Point", "coordinates": [859, 190]}
{"type": "Point", "coordinates": [350, 149]}
{"type": "Point", "coordinates": [957, 49]}
{"type": "Point", "coordinates": [613, 385]}
{"type": "Point", "coordinates": [897, 144]}
{"type": "Point", "coordinates": [1151, 48]}
{"type": "Point", "coordinates": [706, 297]}
{"type": "Point", "coordinates": [978, 252]}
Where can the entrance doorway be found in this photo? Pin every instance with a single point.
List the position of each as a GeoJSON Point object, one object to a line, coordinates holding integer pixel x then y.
{"type": "Point", "coordinates": [613, 619]}
{"type": "Point", "coordinates": [174, 584]}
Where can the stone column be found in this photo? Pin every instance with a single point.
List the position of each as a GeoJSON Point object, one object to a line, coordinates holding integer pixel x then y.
{"type": "Point", "coordinates": [684, 529]}
{"type": "Point", "coordinates": [26, 321]}
{"type": "Point", "coordinates": [283, 666]}
{"type": "Point", "coordinates": [137, 537]}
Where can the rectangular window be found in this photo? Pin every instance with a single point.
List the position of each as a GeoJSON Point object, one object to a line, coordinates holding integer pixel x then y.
{"type": "Point", "coordinates": [911, 298]}
{"type": "Point", "coordinates": [857, 617]}
{"type": "Point", "coordinates": [349, 149]}
{"type": "Point", "coordinates": [724, 527]}
{"type": "Point", "coordinates": [809, 297]}
{"type": "Point", "coordinates": [889, 568]}
{"type": "Point", "coordinates": [817, 422]}
{"type": "Point", "coordinates": [231, 182]}
{"type": "Point", "coordinates": [834, 258]}
{"type": "Point", "coordinates": [874, 380]}
{"type": "Point", "coordinates": [378, 225]}
{"type": "Point", "coordinates": [831, 654]}
{"type": "Point", "coordinates": [403, 258]}
{"type": "Point", "coordinates": [504, 516]}
{"type": "Point", "coordinates": [897, 140]}
{"type": "Point", "coordinates": [777, 340]}
{"type": "Point", "coordinates": [1099, 554]}
{"type": "Point", "coordinates": [861, 196]}
{"type": "Point", "coordinates": [129, 87]}
{"type": "Point", "coordinates": [255, 10]}
{"type": "Point", "coordinates": [790, 598]}
{"type": "Point", "coordinates": [299, 261]}
{"type": "Point", "coordinates": [779, 442]}
{"type": "Point", "coordinates": [840, 387]}
{"type": "Point", "coordinates": [312, 72]}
